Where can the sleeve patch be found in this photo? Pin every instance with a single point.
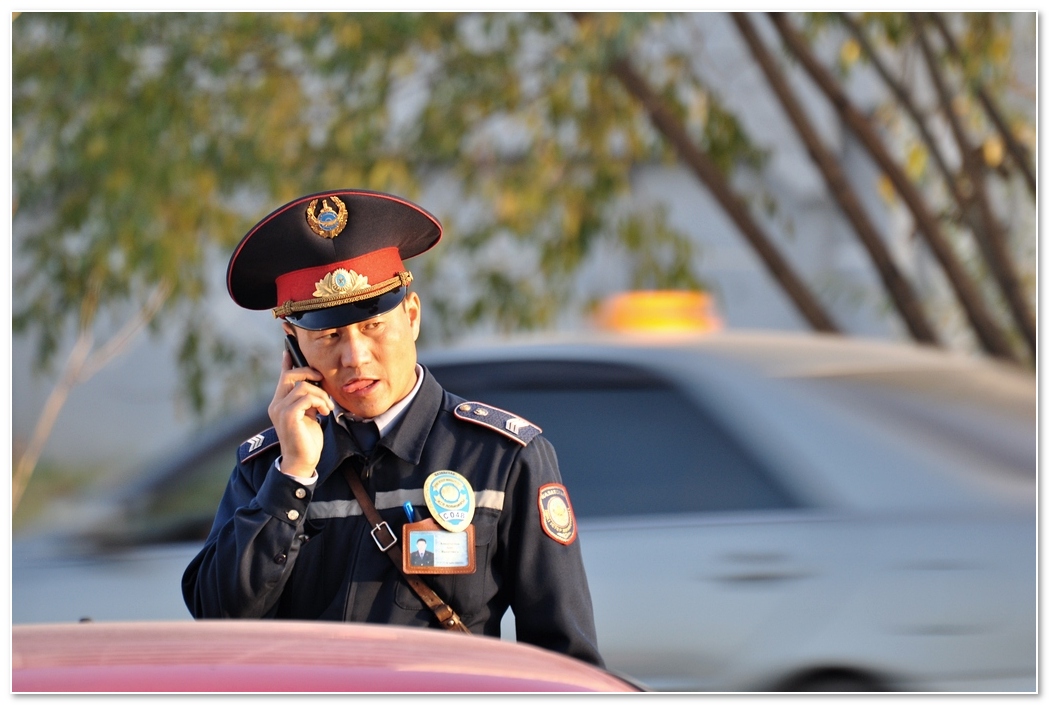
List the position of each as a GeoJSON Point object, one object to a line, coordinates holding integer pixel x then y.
{"type": "Point", "coordinates": [256, 444]}
{"type": "Point", "coordinates": [555, 513]}
{"type": "Point", "coordinates": [498, 420]}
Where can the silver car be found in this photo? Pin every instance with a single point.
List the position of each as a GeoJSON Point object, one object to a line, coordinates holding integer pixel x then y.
{"type": "Point", "coordinates": [756, 511]}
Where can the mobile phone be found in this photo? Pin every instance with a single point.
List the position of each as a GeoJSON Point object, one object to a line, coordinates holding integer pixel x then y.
{"type": "Point", "coordinates": [297, 358]}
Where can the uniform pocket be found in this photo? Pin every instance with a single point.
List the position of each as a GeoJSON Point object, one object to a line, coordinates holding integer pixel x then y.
{"type": "Point", "coordinates": [466, 593]}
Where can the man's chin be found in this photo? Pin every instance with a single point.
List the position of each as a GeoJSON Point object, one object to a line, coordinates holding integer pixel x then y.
{"type": "Point", "coordinates": [361, 410]}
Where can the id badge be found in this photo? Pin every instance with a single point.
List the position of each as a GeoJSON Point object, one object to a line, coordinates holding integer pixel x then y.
{"type": "Point", "coordinates": [430, 549]}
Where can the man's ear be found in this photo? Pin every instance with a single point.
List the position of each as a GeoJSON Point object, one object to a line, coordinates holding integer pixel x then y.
{"type": "Point", "coordinates": [413, 307]}
{"type": "Point", "coordinates": [289, 329]}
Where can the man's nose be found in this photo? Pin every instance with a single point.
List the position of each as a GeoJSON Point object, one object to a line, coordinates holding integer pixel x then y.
{"type": "Point", "coordinates": [355, 350]}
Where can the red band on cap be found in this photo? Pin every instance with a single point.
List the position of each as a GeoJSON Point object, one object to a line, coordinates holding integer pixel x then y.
{"type": "Point", "coordinates": [377, 266]}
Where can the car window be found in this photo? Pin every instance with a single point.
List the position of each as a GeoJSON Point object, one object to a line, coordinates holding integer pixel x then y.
{"type": "Point", "coordinates": [627, 441]}
{"type": "Point", "coordinates": [177, 497]}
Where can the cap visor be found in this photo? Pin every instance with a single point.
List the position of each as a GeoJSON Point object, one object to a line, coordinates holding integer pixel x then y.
{"type": "Point", "coordinates": [348, 314]}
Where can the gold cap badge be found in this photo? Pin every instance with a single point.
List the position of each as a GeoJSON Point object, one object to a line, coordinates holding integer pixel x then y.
{"type": "Point", "coordinates": [328, 223]}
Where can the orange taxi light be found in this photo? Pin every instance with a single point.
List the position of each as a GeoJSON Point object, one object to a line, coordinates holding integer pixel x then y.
{"type": "Point", "coordinates": [659, 311]}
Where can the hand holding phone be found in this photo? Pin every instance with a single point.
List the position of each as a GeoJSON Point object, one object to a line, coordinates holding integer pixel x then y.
{"type": "Point", "coordinates": [297, 358]}
{"type": "Point", "coordinates": [296, 412]}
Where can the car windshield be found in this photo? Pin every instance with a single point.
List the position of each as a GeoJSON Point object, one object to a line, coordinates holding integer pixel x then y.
{"type": "Point", "coordinates": [628, 442]}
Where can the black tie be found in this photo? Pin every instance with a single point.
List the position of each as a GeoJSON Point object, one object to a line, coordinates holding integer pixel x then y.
{"type": "Point", "coordinates": [365, 433]}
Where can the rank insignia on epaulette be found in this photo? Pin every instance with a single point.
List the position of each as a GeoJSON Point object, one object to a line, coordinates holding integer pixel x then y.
{"type": "Point", "coordinates": [499, 420]}
{"type": "Point", "coordinates": [256, 444]}
{"type": "Point", "coordinates": [555, 513]}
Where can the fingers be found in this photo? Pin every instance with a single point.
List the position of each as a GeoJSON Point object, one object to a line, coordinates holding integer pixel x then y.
{"type": "Point", "coordinates": [296, 415]}
{"type": "Point", "coordinates": [288, 364]}
{"type": "Point", "coordinates": [295, 410]}
{"type": "Point", "coordinates": [306, 399]}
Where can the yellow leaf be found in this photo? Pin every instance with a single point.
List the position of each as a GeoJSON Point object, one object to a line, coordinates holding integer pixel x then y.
{"type": "Point", "coordinates": [507, 206]}
{"type": "Point", "coordinates": [886, 190]}
{"type": "Point", "coordinates": [999, 49]}
{"type": "Point", "coordinates": [1025, 133]}
{"type": "Point", "coordinates": [349, 35]}
{"type": "Point", "coordinates": [993, 151]}
{"type": "Point", "coordinates": [917, 158]}
{"type": "Point", "coordinates": [850, 52]}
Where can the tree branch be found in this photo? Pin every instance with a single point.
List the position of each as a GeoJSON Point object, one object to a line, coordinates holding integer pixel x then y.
{"type": "Point", "coordinates": [702, 166]}
{"type": "Point", "coordinates": [990, 237]}
{"type": "Point", "coordinates": [80, 366]}
{"type": "Point", "coordinates": [1019, 153]}
{"type": "Point", "coordinates": [987, 330]}
{"type": "Point", "coordinates": [42, 430]}
{"type": "Point", "coordinates": [907, 302]}
{"type": "Point", "coordinates": [116, 345]}
{"type": "Point", "coordinates": [907, 102]}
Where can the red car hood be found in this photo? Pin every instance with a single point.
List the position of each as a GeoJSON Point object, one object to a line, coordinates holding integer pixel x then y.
{"type": "Point", "coordinates": [285, 656]}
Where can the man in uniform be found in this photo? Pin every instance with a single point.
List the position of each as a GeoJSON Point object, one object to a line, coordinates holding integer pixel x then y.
{"type": "Point", "coordinates": [293, 538]}
{"type": "Point", "coordinates": [422, 556]}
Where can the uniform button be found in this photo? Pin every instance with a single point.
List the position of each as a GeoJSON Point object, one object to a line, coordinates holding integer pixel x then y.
{"type": "Point", "coordinates": [280, 559]}
{"type": "Point", "coordinates": [300, 493]}
{"type": "Point", "coordinates": [293, 514]}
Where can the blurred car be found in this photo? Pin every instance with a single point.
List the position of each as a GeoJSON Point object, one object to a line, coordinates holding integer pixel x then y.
{"type": "Point", "coordinates": [756, 511]}
{"type": "Point", "coordinates": [247, 656]}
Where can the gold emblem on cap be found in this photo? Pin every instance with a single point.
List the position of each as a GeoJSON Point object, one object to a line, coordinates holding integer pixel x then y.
{"type": "Point", "coordinates": [338, 298]}
{"type": "Point", "coordinates": [340, 282]}
{"type": "Point", "coordinates": [328, 223]}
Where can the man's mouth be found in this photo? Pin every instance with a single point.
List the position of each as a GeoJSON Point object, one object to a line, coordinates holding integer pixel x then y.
{"type": "Point", "coordinates": [359, 386]}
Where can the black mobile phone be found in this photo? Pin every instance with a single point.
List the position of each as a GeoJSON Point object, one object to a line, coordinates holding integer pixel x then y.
{"type": "Point", "coordinates": [297, 358]}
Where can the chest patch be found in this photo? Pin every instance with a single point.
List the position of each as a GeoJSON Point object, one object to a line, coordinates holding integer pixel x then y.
{"type": "Point", "coordinates": [450, 499]}
{"type": "Point", "coordinates": [555, 513]}
{"type": "Point", "coordinates": [256, 444]}
{"type": "Point", "coordinates": [499, 420]}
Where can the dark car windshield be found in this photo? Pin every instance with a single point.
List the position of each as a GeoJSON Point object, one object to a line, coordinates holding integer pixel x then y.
{"type": "Point", "coordinates": [627, 441]}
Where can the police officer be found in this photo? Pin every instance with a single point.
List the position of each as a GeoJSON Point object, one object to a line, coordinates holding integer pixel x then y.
{"type": "Point", "coordinates": [292, 537]}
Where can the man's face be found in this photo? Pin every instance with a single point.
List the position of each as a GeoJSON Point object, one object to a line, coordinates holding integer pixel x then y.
{"type": "Point", "coordinates": [420, 546]}
{"type": "Point", "coordinates": [368, 366]}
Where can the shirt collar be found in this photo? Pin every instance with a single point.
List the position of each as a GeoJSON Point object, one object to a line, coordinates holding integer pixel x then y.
{"type": "Point", "coordinates": [389, 417]}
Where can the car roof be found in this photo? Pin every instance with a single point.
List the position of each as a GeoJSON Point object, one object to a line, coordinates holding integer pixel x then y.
{"type": "Point", "coordinates": [286, 656]}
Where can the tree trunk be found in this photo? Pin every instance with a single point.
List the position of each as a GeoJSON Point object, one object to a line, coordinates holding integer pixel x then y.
{"type": "Point", "coordinates": [907, 303]}
{"type": "Point", "coordinates": [1019, 153]}
{"type": "Point", "coordinates": [990, 238]}
{"type": "Point", "coordinates": [990, 335]}
{"type": "Point", "coordinates": [80, 366]}
{"type": "Point", "coordinates": [703, 167]}
{"type": "Point", "coordinates": [907, 103]}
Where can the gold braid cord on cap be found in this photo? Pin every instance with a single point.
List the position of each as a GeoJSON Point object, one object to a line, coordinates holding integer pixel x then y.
{"type": "Point", "coordinates": [356, 294]}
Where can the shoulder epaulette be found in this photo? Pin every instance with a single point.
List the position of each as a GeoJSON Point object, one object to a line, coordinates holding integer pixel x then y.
{"type": "Point", "coordinates": [498, 420]}
{"type": "Point", "coordinates": [256, 444]}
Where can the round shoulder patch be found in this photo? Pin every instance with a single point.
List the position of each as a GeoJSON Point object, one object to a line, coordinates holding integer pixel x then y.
{"type": "Point", "coordinates": [555, 513]}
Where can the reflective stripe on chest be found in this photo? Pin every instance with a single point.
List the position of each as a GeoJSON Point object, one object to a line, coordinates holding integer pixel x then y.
{"type": "Point", "coordinates": [334, 509]}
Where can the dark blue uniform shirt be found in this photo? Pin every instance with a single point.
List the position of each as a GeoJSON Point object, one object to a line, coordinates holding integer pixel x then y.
{"type": "Point", "coordinates": [279, 549]}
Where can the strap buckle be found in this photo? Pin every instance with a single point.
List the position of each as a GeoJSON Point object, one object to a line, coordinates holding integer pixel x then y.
{"type": "Point", "coordinates": [384, 529]}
